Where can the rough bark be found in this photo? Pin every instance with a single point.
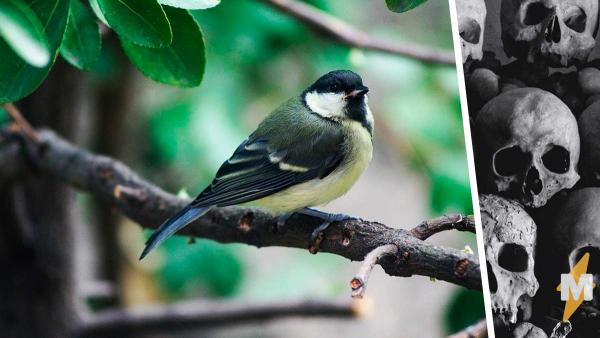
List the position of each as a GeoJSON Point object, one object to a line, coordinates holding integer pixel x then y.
{"type": "Point", "coordinates": [148, 205]}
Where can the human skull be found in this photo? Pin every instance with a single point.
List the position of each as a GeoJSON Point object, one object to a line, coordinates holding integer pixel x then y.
{"type": "Point", "coordinates": [509, 237]}
{"type": "Point", "coordinates": [559, 32]}
{"type": "Point", "coordinates": [471, 24]}
{"type": "Point", "coordinates": [528, 143]}
{"type": "Point", "coordinates": [528, 330]}
{"type": "Point", "coordinates": [589, 127]}
{"type": "Point", "coordinates": [576, 231]}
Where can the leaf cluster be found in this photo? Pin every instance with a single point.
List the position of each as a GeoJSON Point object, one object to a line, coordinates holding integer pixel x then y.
{"type": "Point", "coordinates": [161, 38]}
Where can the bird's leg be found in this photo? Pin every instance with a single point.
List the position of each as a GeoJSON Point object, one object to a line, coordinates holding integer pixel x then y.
{"type": "Point", "coordinates": [318, 234]}
{"type": "Point", "coordinates": [329, 217]}
{"type": "Point", "coordinates": [281, 220]}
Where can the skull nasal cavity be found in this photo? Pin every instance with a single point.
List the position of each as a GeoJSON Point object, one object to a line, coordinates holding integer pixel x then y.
{"type": "Point", "coordinates": [532, 181]}
{"type": "Point", "coordinates": [557, 160]}
{"type": "Point", "coordinates": [491, 279]}
{"type": "Point", "coordinates": [553, 30]}
{"type": "Point", "coordinates": [513, 257]}
{"type": "Point", "coordinates": [470, 31]}
{"type": "Point", "coordinates": [511, 161]}
{"type": "Point", "coordinates": [536, 13]}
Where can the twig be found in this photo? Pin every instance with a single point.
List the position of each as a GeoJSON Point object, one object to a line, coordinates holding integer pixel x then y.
{"type": "Point", "coordinates": [195, 314]}
{"type": "Point", "coordinates": [150, 206]}
{"type": "Point", "coordinates": [444, 223]}
{"type": "Point", "coordinates": [347, 34]}
{"type": "Point", "coordinates": [477, 330]}
{"type": "Point", "coordinates": [359, 282]}
{"type": "Point", "coordinates": [16, 115]}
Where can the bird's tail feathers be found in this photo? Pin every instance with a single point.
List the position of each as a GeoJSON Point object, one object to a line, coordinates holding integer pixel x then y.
{"type": "Point", "coordinates": [172, 225]}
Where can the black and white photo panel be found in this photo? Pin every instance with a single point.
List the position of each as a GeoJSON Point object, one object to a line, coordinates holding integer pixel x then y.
{"type": "Point", "coordinates": [532, 76]}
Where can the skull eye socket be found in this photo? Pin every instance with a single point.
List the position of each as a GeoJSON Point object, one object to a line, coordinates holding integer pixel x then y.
{"type": "Point", "coordinates": [536, 13]}
{"type": "Point", "coordinates": [470, 31]}
{"type": "Point", "coordinates": [511, 161]}
{"type": "Point", "coordinates": [513, 257]}
{"type": "Point", "coordinates": [576, 19]}
{"type": "Point", "coordinates": [491, 278]}
{"type": "Point", "coordinates": [557, 160]}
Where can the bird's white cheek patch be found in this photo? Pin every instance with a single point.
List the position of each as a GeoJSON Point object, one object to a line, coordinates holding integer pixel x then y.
{"type": "Point", "coordinates": [370, 118]}
{"type": "Point", "coordinates": [326, 104]}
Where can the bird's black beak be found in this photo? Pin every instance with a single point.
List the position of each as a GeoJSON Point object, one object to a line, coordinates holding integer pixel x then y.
{"type": "Point", "coordinates": [357, 92]}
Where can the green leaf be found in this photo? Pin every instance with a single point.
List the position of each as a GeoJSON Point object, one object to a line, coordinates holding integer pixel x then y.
{"type": "Point", "coordinates": [81, 44]}
{"type": "Point", "coordinates": [400, 6]}
{"type": "Point", "coordinates": [17, 78]}
{"type": "Point", "coordinates": [23, 32]}
{"type": "Point", "coordinates": [96, 9]}
{"type": "Point", "coordinates": [180, 64]}
{"type": "Point", "coordinates": [142, 22]}
{"type": "Point", "coordinates": [191, 4]}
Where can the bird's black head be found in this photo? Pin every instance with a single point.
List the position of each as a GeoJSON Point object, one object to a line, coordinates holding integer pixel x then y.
{"type": "Point", "coordinates": [339, 95]}
{"type": "Point", "coordinates": [339, 81]}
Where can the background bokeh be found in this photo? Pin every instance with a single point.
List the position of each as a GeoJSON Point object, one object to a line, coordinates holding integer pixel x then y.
{"type": "Point", "coordinates": [256, 59]}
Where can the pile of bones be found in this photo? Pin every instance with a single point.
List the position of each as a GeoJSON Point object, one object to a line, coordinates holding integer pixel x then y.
{"type": "Point", "coordinates": [535, 119]}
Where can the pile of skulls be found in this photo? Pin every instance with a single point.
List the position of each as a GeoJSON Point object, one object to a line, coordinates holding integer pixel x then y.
{"type": "Point", "coordinates": [535, 119]}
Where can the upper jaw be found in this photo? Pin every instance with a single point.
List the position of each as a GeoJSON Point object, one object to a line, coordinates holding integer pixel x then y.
{"type": "Point", "coordinates": [357, 92]}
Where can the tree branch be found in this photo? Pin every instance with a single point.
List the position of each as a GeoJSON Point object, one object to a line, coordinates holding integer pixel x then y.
{"type": "Point", "coordinates": [21, 122]}
{"type": "Point", "coordinates": [444, 223]}
{"type": "Point", "coordinates": [346, 34]}
{"type": "Point", "coordinates": [477, 330]}
{"type": "Point", "coordinates": [359, 282]}
{"type": "Point", "coordinates": [195, 314]}
{"type": "Point", "coordinates": [149, 206]}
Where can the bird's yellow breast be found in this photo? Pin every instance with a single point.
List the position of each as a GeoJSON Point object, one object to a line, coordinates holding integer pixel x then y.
{"type": "Point", "coordinates": [359, 151]}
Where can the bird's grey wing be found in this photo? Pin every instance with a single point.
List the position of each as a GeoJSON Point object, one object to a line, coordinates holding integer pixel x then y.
{"type": "Point", "coordinates": [256, 170]}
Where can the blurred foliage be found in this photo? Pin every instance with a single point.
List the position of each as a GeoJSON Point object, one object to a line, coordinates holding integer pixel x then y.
{"type": "Point", "coordinates": [403, 5]}
{"type": "Point", "coordinates": [428, 117]}
{"type": "Point", "coordinates": [203, 268]}
{"type": "Point", "coordinates": [465, 308]}
{"type": "Point", "coordinates": [257, 58]}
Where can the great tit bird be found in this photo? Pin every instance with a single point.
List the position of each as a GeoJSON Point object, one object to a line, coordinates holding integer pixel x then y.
{"type": "Point", "coordinates": [307, 152]}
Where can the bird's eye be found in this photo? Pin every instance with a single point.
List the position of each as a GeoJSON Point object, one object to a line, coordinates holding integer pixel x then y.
{"type": "Point", "coordinates": [333, 88]}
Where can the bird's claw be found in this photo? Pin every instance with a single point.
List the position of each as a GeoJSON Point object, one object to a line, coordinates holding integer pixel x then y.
{"type": "Point", "coordinates": [281, 220]}
{"type": "Point", "coordinates": [316, 237]}
{"type": "Point", "coordinates": [318, 234]}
